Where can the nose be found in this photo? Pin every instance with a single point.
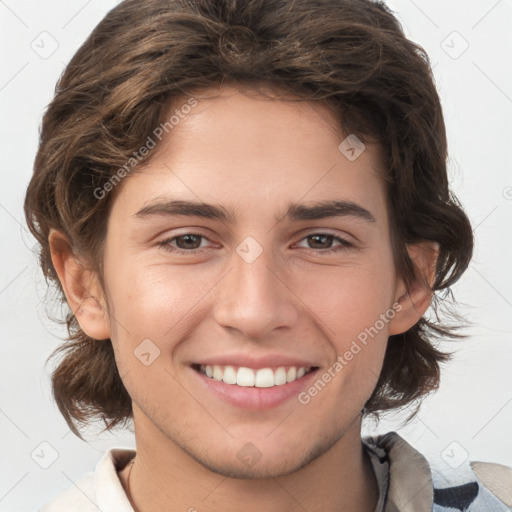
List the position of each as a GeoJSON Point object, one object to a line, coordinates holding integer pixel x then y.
{"type": "Point", "coordinates": [254, 298]}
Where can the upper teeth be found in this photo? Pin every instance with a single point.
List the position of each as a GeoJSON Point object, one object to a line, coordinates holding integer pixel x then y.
{"type": "Point", "coordinates": [261, 378]}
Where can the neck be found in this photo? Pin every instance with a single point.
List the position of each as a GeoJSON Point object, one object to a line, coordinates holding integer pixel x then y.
{"type": "Point", "coordinates": [165, 477]}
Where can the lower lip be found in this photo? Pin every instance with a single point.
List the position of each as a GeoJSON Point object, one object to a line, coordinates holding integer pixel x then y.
{"type": "Point", "coordinates": [253, 397]}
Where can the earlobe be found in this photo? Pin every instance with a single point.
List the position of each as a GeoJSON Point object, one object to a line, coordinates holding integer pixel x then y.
{"type": "Point", "coordinates": [413, 304]}
{"type": "Point", "coordinates": [81, 287]}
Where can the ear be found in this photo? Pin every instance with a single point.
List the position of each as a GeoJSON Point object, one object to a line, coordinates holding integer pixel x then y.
{"type": "Point", "coordinates": [81, 287]}
{"type": "Point", "coordinates": [412, 305]}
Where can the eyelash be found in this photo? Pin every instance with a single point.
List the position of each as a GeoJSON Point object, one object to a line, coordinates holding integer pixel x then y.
{"type": "Point", "coordinates": [344, 244]}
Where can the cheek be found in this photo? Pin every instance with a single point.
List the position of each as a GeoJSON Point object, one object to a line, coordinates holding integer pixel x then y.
{"type": "Point", "coordinates": [349, 300]}
{"type": "Point", "coordinates": [351, 308]}
{"type": "Point", "coordinates": [155, 310]}
{"type": "Point", "coordinates": [155, 301]}
{"type": "Point", "coordinates": [351, 304]}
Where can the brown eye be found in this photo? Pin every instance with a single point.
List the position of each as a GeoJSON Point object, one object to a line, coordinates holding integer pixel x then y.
{"type": "Point", "coordinates": [189, 243]}
{"type": "Point", "coordinates": [320, 241]}
{"type": "Point", "coordinates": [325, 243]}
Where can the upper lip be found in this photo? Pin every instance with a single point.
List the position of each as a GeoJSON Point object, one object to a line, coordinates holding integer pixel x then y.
{"type": "Point", "coordinates": [256, 362]}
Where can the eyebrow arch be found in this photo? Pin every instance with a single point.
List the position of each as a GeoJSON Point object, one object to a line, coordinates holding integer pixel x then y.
{"type": "Point", "coordinates": [295, 211]}
{"type": "Point", "coordinates": [326, 209]}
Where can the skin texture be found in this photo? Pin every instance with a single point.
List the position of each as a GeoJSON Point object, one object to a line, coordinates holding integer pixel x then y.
{"type": "Point", "coordinates": [254, 156]}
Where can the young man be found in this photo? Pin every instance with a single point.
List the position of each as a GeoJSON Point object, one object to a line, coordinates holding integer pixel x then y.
{"type": "Point", "coordinates": [246, 207]}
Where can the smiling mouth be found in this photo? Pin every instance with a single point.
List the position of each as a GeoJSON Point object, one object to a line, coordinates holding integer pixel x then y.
{"type": "Point", "coordinates": [248, 377]}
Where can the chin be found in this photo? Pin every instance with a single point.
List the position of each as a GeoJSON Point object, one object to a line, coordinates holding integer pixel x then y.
{"type": "Point", "coordinates": [249, 462]}
{"type": "Point", "coordinates": [261, 469]}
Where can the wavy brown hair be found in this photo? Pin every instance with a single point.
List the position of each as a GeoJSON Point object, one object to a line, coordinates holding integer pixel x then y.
{"type": "Point", "coordinates": [351, 55]}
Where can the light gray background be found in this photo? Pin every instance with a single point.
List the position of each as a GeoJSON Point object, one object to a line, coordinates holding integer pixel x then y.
{"type": "Point", "coordinates": [471, 414]}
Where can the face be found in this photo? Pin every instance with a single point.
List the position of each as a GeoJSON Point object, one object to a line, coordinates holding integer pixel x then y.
{"type": "Point", "coordinates": [287, 268]}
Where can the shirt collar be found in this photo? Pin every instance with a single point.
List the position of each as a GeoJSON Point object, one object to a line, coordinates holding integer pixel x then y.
{"type": "Point", "coordinates": [403, 474]}
{"type": "Point", "coordinates": [110, 494]}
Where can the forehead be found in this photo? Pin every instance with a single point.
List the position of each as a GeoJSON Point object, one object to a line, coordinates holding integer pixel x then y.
{"type": "Point", "coordinates": [263, 121]}
{"type": "Point", "coordinates": [248, 151]}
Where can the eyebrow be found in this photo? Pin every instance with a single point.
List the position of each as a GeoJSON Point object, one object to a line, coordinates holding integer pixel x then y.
{"type": "Point", "coordinates": [295, 211]}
